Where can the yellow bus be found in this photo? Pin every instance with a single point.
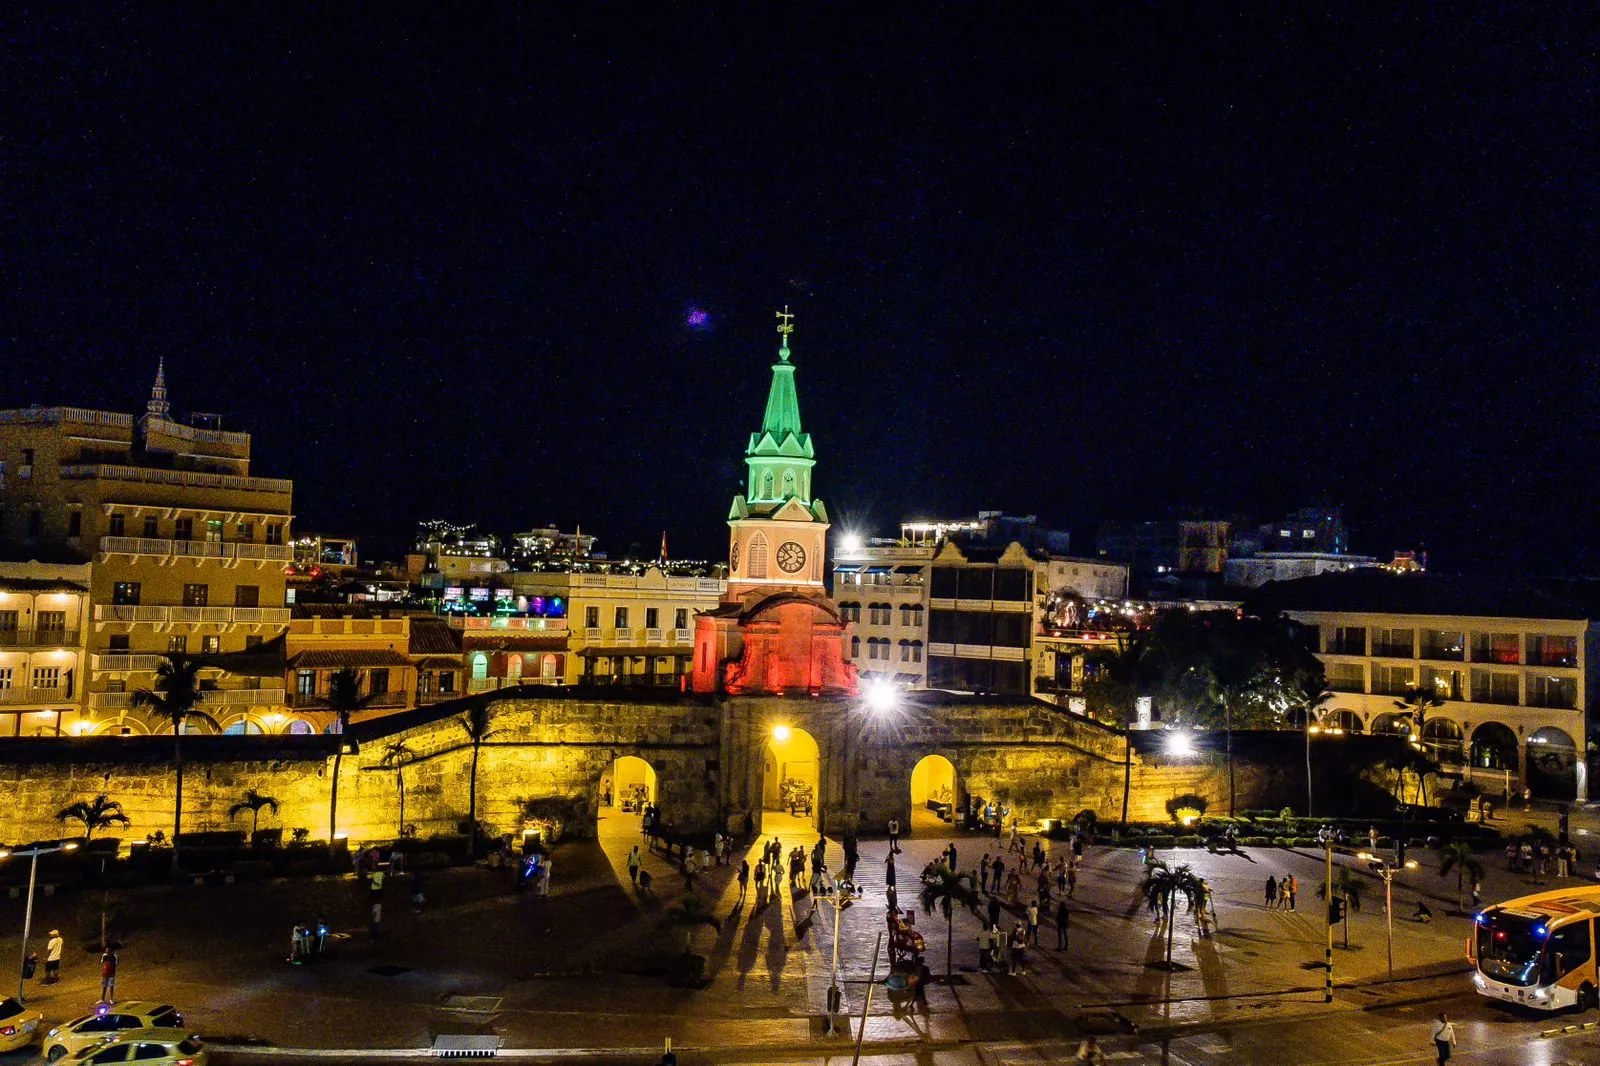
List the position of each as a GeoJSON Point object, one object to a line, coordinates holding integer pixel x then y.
{"type": "Point", "coordinates": [1538, 951]}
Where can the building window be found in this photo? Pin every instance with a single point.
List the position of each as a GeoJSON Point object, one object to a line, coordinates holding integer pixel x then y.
{"type": "Point", "coordinates": [210, 645]}
{"type": "Point", "coordinates": [25, 469]}
{"type": "Point", "coordinates": [1348, 640]}
{"type": "Point", "coordinates": [253, 642]}
{"type": "Point", "coordinates": [447, 681]}
{"type": "Point", "coordinates": [1502, 648]}
{"type": "Point", "coordinates": [1489, 686]}
{"type": "Point", "coordinates": [680, 618]}
{"type": "Point", "coordinates": [151, 530]}
{"type": "Point", "coordinates": [652, 618]}
{"type": "Point", "coordinates": [881, 614]}
{"type": "Point", "coordinates": [916, 651]}
{"type": "Point", "coordinates": [196, 595]}
{"type": "Point", "coordinates": [1446, 644]}
{"type": "Point", "coordinates": [183, 529]}
{"type": "Point", "coordinates": [766, 485]}
{"type": "Point", "coordinates": [214, 531]}
{"type": "Point", "coordinates": [274, 533]}
{"type": "Point", "coordinates": [125, 593]}
{"type": "Point", "coordinates": [378, 682]}
{"type": "Point", "coordinates": [177, 644]}
{"type": "Point", "coordinates": [591, 617]}
{"type": "Point", "coordinates": [247, 531]}
{"type": "Point", "coordinates": [1347, 677]}
{"type": "Point", "coordinates": [758, 556]}
{"type": "Point", "coordinates": [52, 623]}
{"type": "Point", "coordinates": [905, 651]}
{"type": "Point", "coordinates": [74, 523]}
{"type": "Point", "coordinates": [5, 678]}
{"type": "Point", "coordinates": [8, 626]}
{"type": "Point", "coordinates": [619, 618]}
{"type": "Point", "coordinates": [1446, 684]}
{"type": "Point", "coordinates": [850, 612]}
{"type": "Point", "coordinates": [46, 677]}
{"type": "Point", "coordinates": [1545, 650]}
{"type": "Point", "coordinates": [305, 683]}
{"type": "Point", "coordinates": [119, 642]}
{"type": "Point", "coordinates": [246, 595]}
{"type": "Point", "coordinates": [788, 483]}
{"type": "Point", "coordinates": [1394, 644]}
{"type": "Point", "coordinates": [1547, 691]}
{"type": "Point", "coordinates": [1392, 680]}
{"type": "Point", "coordinates": [119, 525]}
{"type": "Point", "coordinates": [855, 647]}
{"type": "Point", "coordinates": [480, 667]}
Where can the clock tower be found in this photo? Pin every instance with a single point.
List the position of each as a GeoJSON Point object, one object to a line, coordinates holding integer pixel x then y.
{"type": "Point", "coordinates": [777, 531]}
{"type": "Point", "coordinates": [776, 631]}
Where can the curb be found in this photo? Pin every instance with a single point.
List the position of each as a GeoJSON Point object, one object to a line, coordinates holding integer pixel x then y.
{"type": "Point", "coordinates": [644, 1054]}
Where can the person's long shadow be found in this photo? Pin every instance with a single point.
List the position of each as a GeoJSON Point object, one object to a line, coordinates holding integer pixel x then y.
{"type": "Point", "coordinates": [725, 941]}
{"type": "Point", "coordinates": [750, 943]}
{"type": "Point", "coordinates": [777, 944]}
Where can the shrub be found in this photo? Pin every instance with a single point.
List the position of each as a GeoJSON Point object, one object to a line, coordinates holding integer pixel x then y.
{"type": "Point", "coordinates": [267, 838]}
{"type": "Point", "coordinates": [1187, 808]}
{"type": "Point", "coordinates": [1255, 842]}
{"type": "Point", "coordinates": [300, 835]}
{"type": "Point", "coordinates": [1086, 819]}
{"type": "Point", "coordinates": [1189, 840]}
{"type": "Point", "coordinates": [1159, 840]}
{"type": "Point", "coordinates": [215, 838]}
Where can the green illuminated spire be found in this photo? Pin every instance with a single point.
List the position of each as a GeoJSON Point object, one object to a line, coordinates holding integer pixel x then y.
{"type": "Point", "coordinates": [780, 456]}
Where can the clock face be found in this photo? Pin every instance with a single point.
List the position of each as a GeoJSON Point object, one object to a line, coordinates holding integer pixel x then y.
{"type": "Point", "coordinates": [791, 557]}
{"type": "Point", "coordinates": [733, 557]}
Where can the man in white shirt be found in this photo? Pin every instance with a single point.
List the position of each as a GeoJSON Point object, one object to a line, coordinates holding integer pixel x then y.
{"type": "Point", "coordinates": [52, 957]}
{"type": "Point", "coordinates": [1444, 1037]}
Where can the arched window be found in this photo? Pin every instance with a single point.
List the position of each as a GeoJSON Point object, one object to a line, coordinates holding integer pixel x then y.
{"type": "Point", "coordinates": [905, 651]}
{"type": "Point", "coordinates": [788, 483]}
{"type": "Point", "coordinates": [766, 485]}
{"type": "Point", "coordinates": [850, 611]}
{"type": "Point", "coordinates": [855, 647]}
{"type": "Point", "coordinates": [916, 651]}
{"type": "Point", "coordinates": [758, 555]}
{"type": "Point", "coordinates": [480, 667]}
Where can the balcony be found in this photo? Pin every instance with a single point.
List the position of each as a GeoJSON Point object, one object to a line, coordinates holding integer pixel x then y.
{"type": "Point", "coordinates": [110, 701]}
{"type": "Point", "coordinates": [167, 615]}
{"type": "Point", "coordinates": [622, 635]}
{"type": "Point", "coordinates": [682, 636]}
{"type": "Point", "coordinates": [11, 697]}
{"type": "Point", "coordinates": [186, 478]}
{"type": "Point", "coordinates": [121, 662]}
{"type": "Point", "coordinates": [1393, 651]}
{"type": "Point", "coordinates": [512, 623]}
{"type": "Point", "coordinates": [654, 636]}
{"type": "Point", "coordinates": [198, 550]}
{"type": "Point", "coordinates": [38, 638]}
{"type": "Point", "coordinates": [241, 697]}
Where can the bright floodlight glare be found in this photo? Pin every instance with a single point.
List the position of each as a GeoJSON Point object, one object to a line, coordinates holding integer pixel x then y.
{"type": "Point", "coordinates": [881, 696]}
{"type": "Point", "coordinates": [73, 846]}
{"type": "Point", "coordinates": [780, 733]}
{"type": "Point", "coordinates": [850, 543]}
{"type": "Point", "coordinates": [1180, 744]}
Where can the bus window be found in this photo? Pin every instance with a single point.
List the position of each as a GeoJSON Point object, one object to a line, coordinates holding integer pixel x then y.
{"type": "Point", "coordinates": [1567, 950]}
{"type": "Point", "coordinates": [1508, 947]}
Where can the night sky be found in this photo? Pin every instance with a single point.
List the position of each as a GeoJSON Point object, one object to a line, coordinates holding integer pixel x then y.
{"type": "Point", "coordinates": [1086, 264]}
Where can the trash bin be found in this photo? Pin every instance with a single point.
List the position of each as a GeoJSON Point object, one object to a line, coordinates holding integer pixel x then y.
{"type": "Point", "coordinates": [30, 966]}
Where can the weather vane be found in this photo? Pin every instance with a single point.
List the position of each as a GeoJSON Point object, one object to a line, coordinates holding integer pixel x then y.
{"type": "Point", "coordinates": [785, 327]}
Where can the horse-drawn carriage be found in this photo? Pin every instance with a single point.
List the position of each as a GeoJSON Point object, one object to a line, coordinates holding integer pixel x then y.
{"type": "Point", "coordinates": [904, 940]}
{"type": "Point", "coordinates": [795, 796]}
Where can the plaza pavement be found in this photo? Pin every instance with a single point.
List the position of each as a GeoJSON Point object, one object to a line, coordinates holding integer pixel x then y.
{"type": "Point", "coordinates": [582, 968]}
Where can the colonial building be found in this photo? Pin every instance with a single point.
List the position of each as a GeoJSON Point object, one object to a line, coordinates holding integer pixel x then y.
{"type": "Point", "coordinates": [44, 610]}
{"type": "Point", "coordinates": [882, 591]}
{"type": "Point", "coordinates": [775, 632]}
{"type": "Point", "coordinates": [1517, 664]}
{"type": "Point", "coordinates": [188, 547]}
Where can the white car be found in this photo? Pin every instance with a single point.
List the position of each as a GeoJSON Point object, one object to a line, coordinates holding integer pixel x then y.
{"type": "Point", "coordinates": [149, 1047]}
{"type": "Point", "coordinates": [108, 1020]}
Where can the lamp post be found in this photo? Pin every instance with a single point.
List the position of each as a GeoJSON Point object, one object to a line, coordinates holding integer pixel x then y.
{"type": "Point", "coordinates": [27, 916]}
{"type": "Point", "coordinates": [838, 900]}
{"type": "Point", "coordinates": [1387, 871]}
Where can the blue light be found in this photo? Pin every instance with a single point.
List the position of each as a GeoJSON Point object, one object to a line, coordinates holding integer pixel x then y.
{"type": "Point", "coordinates": [698, 318]}
{"type": "Point", "coordinates": [1481, 918]}
{"type": "Point", "coordinates": [1540, 930]}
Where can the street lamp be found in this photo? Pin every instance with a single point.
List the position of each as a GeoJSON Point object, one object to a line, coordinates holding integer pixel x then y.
{"type": "Point", "coordinates": [1386, 870]}
{"type": "Point", "coordinates": [838, 898]}
{"type": "Point", "coordinates": [27, 917]}
{"type": "Point", "coordinates": [882, 696]}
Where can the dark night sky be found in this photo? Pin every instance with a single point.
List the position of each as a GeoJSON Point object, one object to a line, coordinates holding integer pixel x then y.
{"type": "Point", "coordinates": [1080, 264]}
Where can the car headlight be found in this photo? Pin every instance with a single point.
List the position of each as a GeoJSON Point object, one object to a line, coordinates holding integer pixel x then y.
{"type": "Point", "coordinates": [1539, 993]}
{"type": "Point", "coordinates": [53, 1032]}
{"type": "Point", "coordinates": [1478, 980]}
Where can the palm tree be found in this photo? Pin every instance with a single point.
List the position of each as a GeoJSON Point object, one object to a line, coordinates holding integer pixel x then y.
{"type": "Point", "coordinates": [476, 723]}
{"type": "Point", "coordinates": [253, 802]}
{"type": "Point", "coordinates": [688, 913]}
{"type": "Point", "coordinates": [1163, 885]}
{"type": "Point", "coordinates": [1127, 668]}
{"type": "Point", "coordinates": [98, 813]}
{"type": "Point", "coordinates": [174, 697]}
{"type": "Point", "coordinates": [396, 755]}
{"type": "Point", "coordinates": [1458, 859]}
{"type": "Point", "coordinates": [1237, 673]}
{"type": "Point", "coordinates": [344, 699]}
{"type": "Point", "coordinates": [1348, 887]}
{"type": "Point", "coordinates": [944, 892]}
{"type": "Point", "coordinates": [1308, 692]}
{"type": "Point", "coordinates": [1416, 703]}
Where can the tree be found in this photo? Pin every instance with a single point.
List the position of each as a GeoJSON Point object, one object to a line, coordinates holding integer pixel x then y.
{"type": "Point", "coordinates": [1238, 674]}
{"type": "Point", "coordinates": [1161, 887]}
{"type": "Point", "coordinates": [947, 889]}
{"type": "Point", "coordinates": [1348, 887]}
{"type": "Point", "coordinates": [476, 723]}
{"type": "Point", "coordinates": [1125, 671]}
{"type": "Point", "coordinates": [1307, 693]}
{"type": "Point", "coordinates": [98, 813]}
{"type": "Point", "coordinates": [174, 697]}
{"type": "Point", "coordinates": [1415, 704]}
{"type": "Point", "coordinates": [688, 913]}
{"type": "Point", "coordinates": [253, 802]}
{"type": "Point", "coordinates": [396, 755]}
{"type": "Point", "coordinates": [344, 699]}
{"type": "Point", "coordinates": [1459, 860]}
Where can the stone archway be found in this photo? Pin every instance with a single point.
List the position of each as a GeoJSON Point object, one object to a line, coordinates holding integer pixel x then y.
{"type": "Point", "coordinates": [1553, 764]}
{"type": "Point", "coordinates": [628, 784]}
{"type": "Point", "coordinates": [933, 795]}
{"type": "Point", "coordinates": [791, 779]}
{"type": "Point", "coordinates": [1442, 739]}
{"type": "Point", "coordinates": [1494, 747]}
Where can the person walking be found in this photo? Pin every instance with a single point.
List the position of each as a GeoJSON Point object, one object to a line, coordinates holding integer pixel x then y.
{"type": "Point", "coordinates": [1477, 895]}
{"type": "Point", "coordinates": [634, 862]}
{"type": "Point", "coordinates": [894, 835]}
{"type": "Point", "coordinates": [544, 876]}
{"type": "Point", "coordinates": [108, 976]}
{"type": "Point", "coordinates": [744, 879]}
{"type": "Point", "coordinates": [763, 885]}
{"type": "Point", "coordinates": [1072, 878]}
{"type": "Point", "coordinates": [1294, 889]}
{"type": "Point", "coordinates": [983, 873]}
{"type": "Point", "coordinates": [1444, 1037]}
{"type": "Point", "coordinates": [1033, 922]}
{"type": "Point", "coordinates": [1063, 920]}
{"type": "Point", "coordinates": [1272, 890]}
{"type": "Point", "coordinates": [994, 912]}
{"type": "Point", "coordinates": [999, 873]}
{"type": "Point", "coordinates": [52, 957]}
